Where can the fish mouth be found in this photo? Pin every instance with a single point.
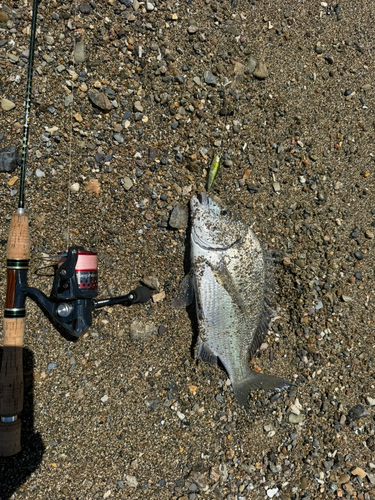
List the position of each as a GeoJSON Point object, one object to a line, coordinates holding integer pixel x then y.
{"type": "Point", "coordinates": [203, 199]}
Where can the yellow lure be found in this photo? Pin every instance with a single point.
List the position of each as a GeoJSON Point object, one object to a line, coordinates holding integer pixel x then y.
{"type": "Point", "coordinates": [214, 169]}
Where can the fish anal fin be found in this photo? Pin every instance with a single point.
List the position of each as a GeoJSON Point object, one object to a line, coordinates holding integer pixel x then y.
{"type": "Point", "coordinates": [205, 353]}
{"type": "Point", "coordinates": [257, 381]}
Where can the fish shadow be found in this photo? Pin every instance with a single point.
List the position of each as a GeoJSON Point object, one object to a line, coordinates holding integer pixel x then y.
{"type": "Point", "coordinates": [190, 309]}
{"type": "Point", "coordinates": [15, 470]}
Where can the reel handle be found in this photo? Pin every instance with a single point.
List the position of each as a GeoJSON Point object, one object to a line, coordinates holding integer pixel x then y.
{"type": "Point", "coordinates": [11, 375]}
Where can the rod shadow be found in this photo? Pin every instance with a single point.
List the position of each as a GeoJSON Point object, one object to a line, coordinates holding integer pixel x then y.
{"type": "Point", "coordinates": [15, 470]}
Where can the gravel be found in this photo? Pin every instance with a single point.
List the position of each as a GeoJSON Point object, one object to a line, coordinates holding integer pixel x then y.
{"type": "Point", "coordinates": [129, 120]}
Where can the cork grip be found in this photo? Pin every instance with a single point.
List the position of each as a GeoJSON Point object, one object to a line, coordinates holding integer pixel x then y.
{"type": "Point", "coordinates": [11, 375]}
{"type": "Point", "coordinates": [19, 241]}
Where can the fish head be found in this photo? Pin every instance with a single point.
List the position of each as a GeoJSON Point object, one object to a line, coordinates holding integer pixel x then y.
{"type": "Point", "coordinates": [213, 227]}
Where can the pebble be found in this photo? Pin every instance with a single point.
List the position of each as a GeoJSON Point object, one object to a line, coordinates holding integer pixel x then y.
{"type": "Point", "coordinates": [51, 366]}
{"type": "Point", "coordinates": [296, 419]}
{"type": "Point", "coordinates": [151, 282]}
{"type": "Point", "coordinates": [75, 187]}
{"type": "Point", "coordinates": [272, 492]}
{"type": "Point", "coordinates": [359, 472]}
{"type": "Point", "coordinates": [209, 78]}
{"type": "Point", "coordinates": [142, 332]}
{"type": "Point", "coordinates": [179, 217]}
{"type": "Point", "coordinates": [359, 255]}
{"type": "Point", "coordinates": [3, 17]}
{"type": "Point", "coordinates": [118, 138]}
{"type": "Point", "coordinates": [79, 52]}
{"type": "Point", "coordinates": [370, 401]}
{"type": "Point", "coordinates": [92, 186]}
{"type": "Point", "coordinates": [39, 173]}
{"type": "Point", "coordinates": [158, 297]}
{"type": "Point", "coordinates": [131, 481]}
{"type": "Point", "coordinates": [261, 71]}
{"type": "Point", "coordinates": [344, 478]}
{"type": "Point", "coordinates": [127, 183]}
{"type": "Point", "coordinates": [100, 100]}
{"type": "Point", "coordinates": [357, 412]}
{"type": "Point", "coordinates": [7, 105]}
{"type": "Point", "coordinates": [8, 159]}
{"type": "Point", "coordinates": [68, 100]}
{"type": "Point", "coordinates": [85, 8]}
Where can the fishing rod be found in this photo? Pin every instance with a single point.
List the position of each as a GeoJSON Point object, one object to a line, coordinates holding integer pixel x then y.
{"type": "Point", "coordinates": [69, 306]}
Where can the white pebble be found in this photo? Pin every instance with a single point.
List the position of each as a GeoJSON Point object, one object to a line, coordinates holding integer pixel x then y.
{"type": "Point", "coordinates": [74, 187]}
{"type": "Point", "coordinates": [104, 399]}
{"type": "Point", "coordinates": [272, 492]}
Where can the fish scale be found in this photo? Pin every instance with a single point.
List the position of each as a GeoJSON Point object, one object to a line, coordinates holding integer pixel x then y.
{"type": "Point", "coordinates": [229, 281]}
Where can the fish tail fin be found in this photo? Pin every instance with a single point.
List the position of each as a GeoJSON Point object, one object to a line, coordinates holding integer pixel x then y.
{"type": "Point", "coordinates": [256, 381]}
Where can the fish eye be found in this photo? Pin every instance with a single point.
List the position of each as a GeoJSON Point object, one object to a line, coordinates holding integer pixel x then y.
{"type": "Point", "coordinates": [224, 212]}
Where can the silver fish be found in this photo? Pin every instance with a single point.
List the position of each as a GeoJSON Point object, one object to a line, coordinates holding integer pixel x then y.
{"type": "Point", "coordinates": [229, 282]}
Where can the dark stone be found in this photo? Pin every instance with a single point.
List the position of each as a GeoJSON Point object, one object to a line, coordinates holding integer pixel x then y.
{"type": "Point", "coordinates": [357, 412]}
{"type": "Point", "coordinates": [359, 255]}
{"type": "Point", "coordinates": [100, 100]}
{"type": "Point", "coordinates": [8, 159]}
{"type": "Point", "coordinates": [99, 157]}
{"type": "Point", "coordinates": [85, 8]}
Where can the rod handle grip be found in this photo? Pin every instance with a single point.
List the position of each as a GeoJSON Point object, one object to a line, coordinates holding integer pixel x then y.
{"type": "Point", "coordinates": [11, 374]}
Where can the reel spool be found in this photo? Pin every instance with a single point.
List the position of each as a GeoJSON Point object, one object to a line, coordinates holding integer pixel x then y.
{"type": "Point", "coordinates": [86, 270]}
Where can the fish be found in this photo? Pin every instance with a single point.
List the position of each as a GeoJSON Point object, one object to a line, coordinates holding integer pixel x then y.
{"type": "Point", "coordinates": [229, 282]}
{"type": "Point", "coordinates": [214, 170]}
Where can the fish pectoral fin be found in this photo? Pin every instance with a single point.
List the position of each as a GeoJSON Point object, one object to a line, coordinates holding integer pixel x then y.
{"type": "Point", "coordinates": [224, 278]}
{"type": "Point", "coordinates": [256, 381]}
{"type": "Point", "coordinates": [186, 296]}
{"type": "Point", "coordinates": [205, 353]}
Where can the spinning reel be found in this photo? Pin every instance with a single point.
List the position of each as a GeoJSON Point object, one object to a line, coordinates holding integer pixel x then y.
{"type": "Point", "coordinates": [74, 289]}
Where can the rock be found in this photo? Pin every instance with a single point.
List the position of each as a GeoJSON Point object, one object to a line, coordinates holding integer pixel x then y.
{"type": "Point", "coordinates": [127, 183]}
{"type": "Point", "coordinates": [296, 419]}
{"type": "Point", "coordinates": [304, 483]}
{"type": "Point", "coordinates": [92, 186]}
{"type": "Point", "coordinates": [85, 8]}
{"type": "Point", "coordinates": [100, 100]}
{"type": "Point", "coordinates": [8, 159]}
{"type": "Point", "coordinates": [250, 65]}
{"type": "Point", "coordinates": [75, 187]}
{"type": "Point", "coordinates": [152, 403]}
{"type": "Point", "coordinates": [151, 282]}
{"type": "Point", "coordinates": [357, 412]}
{"type": "Point", "coordinates": [158, 297]}
{"type": "Point", "coordinates": [68, 100]}
{"type": "Point", "coordinates": [131, 481]}
{"type": "Point", "coordinates": [370, 401]}
{"type": "Point", "coordinates": [79, 53]}
{"type": "Point", "coordinates": [344, 478]}
{"type": "Point", "coordinates": [272, 492]}
{"type": "Point", "coordinates": [179, 217]}
{"type": "Point", "coordinates": [142, 332]}
{"type": "Point", "coordinates": [359, 472]}
{"type": "Point", "coordinates": [118, 138]}
{"type": "Point", "coordinates": [39, 173]}
{"type": "Point", "coordinates": [7, 105]}
{"type": "Point", "coordinates": [209, 78]}
{"type": "Point", "coordinates": [3, 17]}
{"type": "Point", "coordinates": [261, 71]}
